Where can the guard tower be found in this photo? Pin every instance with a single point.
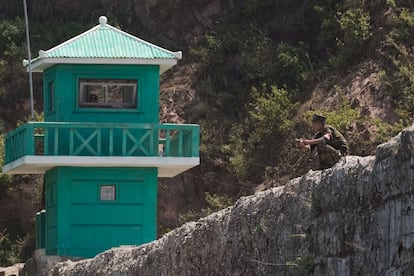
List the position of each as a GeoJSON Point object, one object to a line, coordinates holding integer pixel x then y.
{"type": "Point", "coordinates": [101, 146]}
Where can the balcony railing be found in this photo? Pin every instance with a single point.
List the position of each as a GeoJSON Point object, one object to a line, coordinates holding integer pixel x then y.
{"type": "Point", "coordinates": [102, 139]}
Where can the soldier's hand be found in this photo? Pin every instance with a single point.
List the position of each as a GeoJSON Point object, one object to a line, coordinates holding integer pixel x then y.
{"type": "Point", "coordinates": [300, 144]}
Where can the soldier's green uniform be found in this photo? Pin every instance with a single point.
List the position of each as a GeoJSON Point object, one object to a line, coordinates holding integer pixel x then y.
{"type": "Point", "coordinates": [330, 152]}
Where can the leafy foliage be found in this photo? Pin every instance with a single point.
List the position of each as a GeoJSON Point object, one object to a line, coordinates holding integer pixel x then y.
{"type": "Point", "coordinates": [345, 27]}
{"type": "Point", "coordinates": [398, 51]}
{"type": "Point", "coordinates": [233, 60]}
{"type": "Point", "coordinates": [295, 68]}
{"type": "Point", "coordinates": [9, 250]}
{"type": "Point", "coordinates": [270, 113]}
{"type": "Point", "coordinates": [5, 180]}
{"type": "Point", "coordinates": [11, 38]}
{"type": "Point", "coordinates": [342, 117]}
{"type": "Point", "coordinates": [237, 151]}
{"type": "Point", "coordinates": [15, 250]}
{"type": "Point", "coordinates": [215, 203]}
{"type": "Point", "coordinates": [1, 149]}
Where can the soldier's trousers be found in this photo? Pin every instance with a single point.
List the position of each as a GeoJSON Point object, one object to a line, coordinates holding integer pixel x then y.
{"type": "Point", "coordinates": [328, 156]}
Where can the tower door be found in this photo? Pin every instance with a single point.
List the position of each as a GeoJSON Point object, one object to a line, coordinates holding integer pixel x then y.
{"type": "Point", "coordinates": [105, 213]}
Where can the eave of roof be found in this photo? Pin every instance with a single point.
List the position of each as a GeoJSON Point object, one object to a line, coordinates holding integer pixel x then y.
{"type": "Point", "coordinates": [42, 64]}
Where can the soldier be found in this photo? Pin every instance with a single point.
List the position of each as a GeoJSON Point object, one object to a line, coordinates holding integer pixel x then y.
{"type": "Point", "coordinates": [330, 144]}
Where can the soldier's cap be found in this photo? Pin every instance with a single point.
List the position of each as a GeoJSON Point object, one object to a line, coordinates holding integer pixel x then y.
{"type": "Point", "coordinates": [318, 118]}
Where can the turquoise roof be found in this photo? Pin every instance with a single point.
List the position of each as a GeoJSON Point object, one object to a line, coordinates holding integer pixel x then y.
{"type": "Point", "coordinates": [105, 43]}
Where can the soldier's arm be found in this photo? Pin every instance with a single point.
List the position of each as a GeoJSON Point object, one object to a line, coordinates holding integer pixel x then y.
{"type": "Point", "coordinates": [326, 137]}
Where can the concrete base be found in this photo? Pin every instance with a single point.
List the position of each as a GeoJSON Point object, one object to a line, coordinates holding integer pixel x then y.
{"type": "Point", "coordinates": [40, 264]}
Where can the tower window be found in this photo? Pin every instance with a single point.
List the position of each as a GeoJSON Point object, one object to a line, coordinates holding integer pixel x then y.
{"type": "Point", "coordinates": [107, 192]}
{"type": "Point", "coordinates": [107, 93]}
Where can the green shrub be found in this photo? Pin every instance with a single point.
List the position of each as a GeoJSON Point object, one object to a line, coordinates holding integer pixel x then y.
{"type": "Point", "coordinates": [15, 250]}
{"type": "Point", "coordinates": [189, 216]}
{"type": "Point", "coordinates": [294, 67]}
{"type": "Point", "coordinates": [306, 265]}
{"type": "Point", "coordinates": [270, 113]}
{"type": "Point", "coordinates": [250, 7]}
{"type": "Point", "coordinates": [234, 59]}
{"type": "Point", "coordinates": [342, 117]}
{"type": "Point", "coordinates": [5, 180]}
{"type": "Point", "coordinates": [215, 203]}
{"type": "Point", "coordinates": [236, 150]}
{"type": "Point", "coordinates": [402, 30]}
{"type": "Point", "coordinates": [345, 28]}
{"type": "Point", "coordinates": [398, 52]}
{"type": "Point", "coordinates": [385, 131]}
{"type": "Point", "coordinates": [12, 38]}
{"type": "Point", "coordinates": [9, 253]}
{"type": "Point", "coordinates": [355, 23]}
{"type": "Point", "coordinates": [1, 150]}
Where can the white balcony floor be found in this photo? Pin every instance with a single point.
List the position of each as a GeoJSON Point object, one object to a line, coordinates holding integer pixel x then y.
{"type": "Point", "coordinates": [167, 166]}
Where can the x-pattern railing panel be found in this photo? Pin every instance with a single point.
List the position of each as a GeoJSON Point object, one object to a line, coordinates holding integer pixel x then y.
{"type": "Point", "coordinates": [137, 142]}
{"type": "Point", "coordinates": [103, 139]}
{"type": "Point", "coordinates": [85, 142]}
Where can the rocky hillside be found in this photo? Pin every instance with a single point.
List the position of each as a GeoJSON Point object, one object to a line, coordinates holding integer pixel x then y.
{"type": "Point", "coordinates": [354, 219]}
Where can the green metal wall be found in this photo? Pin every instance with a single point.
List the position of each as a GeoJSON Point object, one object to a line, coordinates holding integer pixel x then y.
{"type": "Point", "coordinates": [79, 223]}
{"type": "Point", "coordinates": [66, 84]}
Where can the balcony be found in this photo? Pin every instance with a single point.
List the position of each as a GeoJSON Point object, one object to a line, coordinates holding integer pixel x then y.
{"type": "Point", "coordinates": [36, 147]}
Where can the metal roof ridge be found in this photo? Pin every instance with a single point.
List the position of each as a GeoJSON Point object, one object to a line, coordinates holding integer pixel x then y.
{"type": "Point", "coordinates": [177, 54]}
{"type": "Point", "coordinates": [43, 53]}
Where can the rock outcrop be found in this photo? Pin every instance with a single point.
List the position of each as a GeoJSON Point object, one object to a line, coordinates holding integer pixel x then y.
{"type": "Point", "coordinates": [354, 219]}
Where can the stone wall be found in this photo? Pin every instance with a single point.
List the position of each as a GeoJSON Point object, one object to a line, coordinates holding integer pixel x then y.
{"type": "Point", "coordinates": [354, 219]}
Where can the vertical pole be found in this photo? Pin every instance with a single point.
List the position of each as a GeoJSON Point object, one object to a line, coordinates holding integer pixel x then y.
{"type": "Point", "coordinates": [38, 231]}
{"type": "Point", "coordinates": [29, 56]}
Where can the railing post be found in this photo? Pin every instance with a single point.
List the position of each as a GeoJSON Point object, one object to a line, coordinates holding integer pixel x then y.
{"type": "Point", "coordinates": [71, 137]}
{"type": "Point", "coordinates": [195, 141]}
{"type": "Point", "coordinates": [111, 141]}
{"type": "Point", "coordinates": [180, 142]}
{"type": "Point", "coordinates": [56, 142]}
{"type": "Point", "coordinates": [28, 137]}
{"type": "Point", "coordinates": [99, 141]}
{"type": "Point", "coordinates": [152, 150]}
{"type": "Point", "coordinates": [167, 143]}
{"type": "Point", "coordinates": [46, 142]}
{"type": "Point", "coordinates": [124, 141]}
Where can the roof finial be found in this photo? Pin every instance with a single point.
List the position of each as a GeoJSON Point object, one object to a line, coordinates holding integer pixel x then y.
{"type": "Point", "coordinates": [103, 20]}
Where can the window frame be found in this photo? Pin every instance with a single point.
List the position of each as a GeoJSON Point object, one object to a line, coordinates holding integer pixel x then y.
{"type": "Point", "coordinates": [103, 199]}
{"type": "Point", "coordinates": [106, 83]}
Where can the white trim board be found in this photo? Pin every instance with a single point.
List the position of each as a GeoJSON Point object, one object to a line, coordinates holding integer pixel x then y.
{"type": "Point", "coordinates": [42, 64]}
{"type": "Point", "coordinates": [167, 166]}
